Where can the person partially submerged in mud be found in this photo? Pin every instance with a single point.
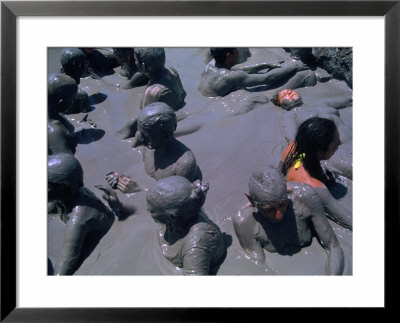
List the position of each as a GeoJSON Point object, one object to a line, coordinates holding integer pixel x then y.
{"type": "Point", "coordinates": [220, 76]}
{"type": "Point", "coordinates": [317, 139]}
{"type": "Point", "coordinates": [188, 239]}
{"type": "Point", "coordinates": [61, 93]}
{"type": "Point", "coordinates": [73, 62]}
{"type": "Point", "coordinates": [81, 211]}
{"type": "Point", "coordinates": [163, 155]}
{"type": "Point", "coordinates": [164, 84]}
{"type": "Point", "coordinates": [99, 63]}
{"type": "Point", "coordinates": [284, 217]}
{"type": "Point", "coordinates": [126, 58]}
{"type": "Point", "coordinates": [288, 99]}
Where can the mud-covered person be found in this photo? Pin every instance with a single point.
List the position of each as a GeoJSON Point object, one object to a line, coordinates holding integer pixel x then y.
{"type": "Point", "coordinates": [221, 78]}
{"type": "Point", "coordinates": [188, 238]}
{"type": "Point", "coordinates": [284, 217]}
{"type": "Point", "coordinates": [61, 93]}
{"type": "Point", "coordinates": [317, 140]}
{"type": "Point", "coordinates": [74, 64]}
{"type": "Point", "coordinates": [164, 84]}
{"type": "Point", "coordinates": [163, 154]}
{"type": "Point", "coordinates": [126, 59]}
{"type": "Point", "coordinates": [99, 63]}
{"type": "Point", "coordinates": [80, 210]}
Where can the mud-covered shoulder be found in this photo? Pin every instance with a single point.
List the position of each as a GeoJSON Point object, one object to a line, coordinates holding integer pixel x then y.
{"type": "Point", "coordinates": [305, 199]}
{"type": "Point", "coordinates": [88, 199]}
{"type": "Point", "coordinates": [244, 217]}
{"type": "Point", "coordinates": [204, 234]}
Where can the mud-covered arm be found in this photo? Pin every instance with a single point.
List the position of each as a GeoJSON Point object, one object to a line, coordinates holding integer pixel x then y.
{"type": "Point", "coordinates": [244, 229]}
{"type": "Point", "coordinates": [115, 204]}
{"type": "Point", "coordinates": [328, 240]}
{"type": "Point", "coordinates": [254, 68]}
{"type": "Point", "coordinates": [196, 261]}
{"type": "Point", "coordinates": [311, 205]}
{"type": "Point", "coordinates": [138, 79]}
{"type": "Point", "coordinates": [75, 233]}
{"type": "Point", "coordinates": [245, 79]}
{"type": "Point", "coordinates": [335, 210]}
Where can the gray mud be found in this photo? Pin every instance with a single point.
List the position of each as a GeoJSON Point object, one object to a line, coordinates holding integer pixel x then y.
{"type": "Point", "coordinates": [230, 137]}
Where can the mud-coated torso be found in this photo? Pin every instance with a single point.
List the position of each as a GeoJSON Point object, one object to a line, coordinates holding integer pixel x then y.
{"type": "Point", "coordinates": [203, 238]}
{"type": "Point", "coordinates": [89, 210]}
{"type": "Point", "coordinates": [166, 87]}
{"type": "Point", "coordinates": [216, 81]}
{"type": "Point", "coordinates": [178, 160]}
{"type": "Point", "coordinates": [294, 232]}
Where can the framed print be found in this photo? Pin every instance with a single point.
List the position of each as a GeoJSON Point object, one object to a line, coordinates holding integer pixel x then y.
{"type": "Point", "coordinates": [33, 36]}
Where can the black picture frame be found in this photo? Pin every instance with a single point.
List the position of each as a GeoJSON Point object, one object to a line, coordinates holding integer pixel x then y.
{"type": "Point", "coordinates": [10, 10]}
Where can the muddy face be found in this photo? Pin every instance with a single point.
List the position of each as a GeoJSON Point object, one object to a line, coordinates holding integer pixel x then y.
{"type": "Point", "coordinates": [273, 211]}
{"type": "Point", "coordinates": [288, 99]}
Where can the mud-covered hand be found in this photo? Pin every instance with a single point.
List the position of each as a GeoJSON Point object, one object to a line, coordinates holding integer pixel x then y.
{"type": "Point", "coordinates": [127, 185]}
{"type": "Point", "coordinates": [110, 196]}
{"type": "Point", "coordinates": [112, 179]}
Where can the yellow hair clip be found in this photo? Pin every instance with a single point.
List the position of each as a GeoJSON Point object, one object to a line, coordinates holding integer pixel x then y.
{"type": "Point", "coordinates": [299, 161]}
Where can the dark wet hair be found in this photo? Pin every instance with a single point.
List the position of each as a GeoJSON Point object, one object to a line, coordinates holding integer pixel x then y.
{"type": "Point", "coordinates": [153, 57]}
{"type": "Point", "coordinates": [219, 54]}
{"type": "Point", "coordinates": [314, 135]}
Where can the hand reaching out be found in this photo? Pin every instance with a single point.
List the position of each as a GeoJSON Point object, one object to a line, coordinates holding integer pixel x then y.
{"type": "Point", "coordinates": [123, 183]}
{"type": "Point", "coordinates": [110, 196]}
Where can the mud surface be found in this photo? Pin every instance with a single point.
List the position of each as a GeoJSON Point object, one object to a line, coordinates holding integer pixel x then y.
{"type": "Point", "coordinates": [230, 137]}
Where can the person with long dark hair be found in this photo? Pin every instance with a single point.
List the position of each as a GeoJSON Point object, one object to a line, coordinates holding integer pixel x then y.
{"type": "Point", "coordinates": [317, 139]}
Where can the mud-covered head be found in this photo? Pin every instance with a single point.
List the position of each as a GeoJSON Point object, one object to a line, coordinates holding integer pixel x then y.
{"type": "Point", "coordinates": [73, 62]}
{"type": "Point", "coordinates": [175, 199]}
{"type": "Point", "coordinates": [64, 180]}
{"type": "Point", "coordinates": [149, 60]}
{"type": "Point", "coordinates": [225, 56]}
{"type": "Point", "coordinates": [61, 93]}
{"type": "Point", "coordinates": [268, 193]}
{"type": "Point", "coordinates": [287, 99]}
{"type": "Point", "coordinates": [157, 123]}
{"type": "Point", "coordinates": [64, 169]}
